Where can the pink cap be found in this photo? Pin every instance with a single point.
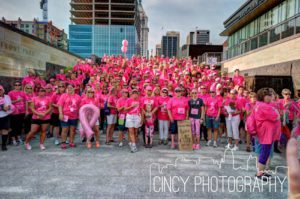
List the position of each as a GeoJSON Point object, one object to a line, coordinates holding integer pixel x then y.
{"type": "Point", "coordinates": [148, 88]}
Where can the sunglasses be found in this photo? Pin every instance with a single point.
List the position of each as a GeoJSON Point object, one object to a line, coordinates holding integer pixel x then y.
{"type": "Point", "coordinates": [202, 88]}
{"type": "Point", "coordinates": [178, 91]}
{"type": "Point", "coordinates": [61, 87]}
{"type": "Point", "coordinates": [194, 93]}
{"type": "Point", "coordinates": [17, 84]}
{"type": "Point", "coordinates": [287, 94]}
{"type": "Point", "coordinates": [28, 88]}
{"type": "Point", "coordinates": [42, 90]}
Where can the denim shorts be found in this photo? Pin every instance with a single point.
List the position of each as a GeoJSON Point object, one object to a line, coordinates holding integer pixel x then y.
{"type": "Point", "coordinates": [174, 128]}
{"type": "Point", "coordinates": [68, 123]}
{"type": "Point", "coordinates": [211, 122]}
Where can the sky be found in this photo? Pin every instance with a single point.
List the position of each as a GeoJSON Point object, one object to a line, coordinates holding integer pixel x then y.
{"type": "Point", "coordinates": [164, 15]}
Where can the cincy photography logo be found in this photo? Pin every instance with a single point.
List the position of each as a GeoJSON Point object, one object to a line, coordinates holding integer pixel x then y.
{"type": "Point", "coordinates": [171, 178]}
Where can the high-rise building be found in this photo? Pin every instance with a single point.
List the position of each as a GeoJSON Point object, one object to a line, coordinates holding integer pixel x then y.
{"type": "Point", "coordinates": [99, 26]}
{"type": "Point", "coordinates": [202, 37]}
{"type": "Point", "coordinates": [144, 30]}
{"type": "Point", "coordinates": [170, 44]}
{"type": "Point", "coordinates": [43, 30]}
{"type": "Point", "coordinates": [158, 50]}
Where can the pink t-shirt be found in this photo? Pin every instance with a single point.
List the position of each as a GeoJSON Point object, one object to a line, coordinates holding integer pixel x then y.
{"type": "Point", "coordinates": [212, 106]}
{"type": "Point", "coordinates": [162, 113]}
{"type": "Point", "coordinates": [70, 105]}
{"type": "Point", "coordinates": [149, 100]}
{"type": "Point", "coordinates": [238, 80]}
{"type": "Point", "coordinates": [55, 98]}
{"type": "Point", "coordinates": [112, 100]}
{"type": "Point", "coordinates": [122, 103]}
{"type": "Point", "coordinates": [178, 108]}
{"type": "Point", "coordinates": [19, 106]}
{"type": "Point", "coordinates": [41, 105]}
{"type": "Point", "coordinates": [85, 100]}
{"type": "Point", "coordinates": [135, 110]}
{"type": "Point", "coordinates": [292, 108]}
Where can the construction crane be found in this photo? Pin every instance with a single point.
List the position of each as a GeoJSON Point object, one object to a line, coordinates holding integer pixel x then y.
{"type": "Point", "coordinates": [44, 7]}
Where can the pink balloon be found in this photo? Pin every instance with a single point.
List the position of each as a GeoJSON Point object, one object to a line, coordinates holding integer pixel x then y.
{"type": "Point", "coordinates": [125, 43]}
{"type": "Point", "coordinates": [88, 115]}
{"type": "Point", "coordinates": [124, 49]}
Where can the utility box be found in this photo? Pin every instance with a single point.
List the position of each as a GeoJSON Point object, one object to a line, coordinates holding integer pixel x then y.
{"type": "Point", "coordinates": [278, 83]}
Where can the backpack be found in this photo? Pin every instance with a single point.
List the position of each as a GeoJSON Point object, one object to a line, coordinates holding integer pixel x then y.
{"type": "Point", "coordinates": [251, 122]}
{"type": "Point", "coordinates": [106, 109]}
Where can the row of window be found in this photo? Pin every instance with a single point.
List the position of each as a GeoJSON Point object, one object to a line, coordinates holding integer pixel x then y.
{"type": "Point", "coordinates": [282, 31]}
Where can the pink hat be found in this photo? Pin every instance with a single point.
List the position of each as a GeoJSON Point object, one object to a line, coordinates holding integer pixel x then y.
{"type": "Point", "coordinates": [148, 88]}
{"type": "Point", "coordinates": [124, 91]}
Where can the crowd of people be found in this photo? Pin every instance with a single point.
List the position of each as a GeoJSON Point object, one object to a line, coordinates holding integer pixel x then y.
{"type": "Point", "coordinates": [149, 96]}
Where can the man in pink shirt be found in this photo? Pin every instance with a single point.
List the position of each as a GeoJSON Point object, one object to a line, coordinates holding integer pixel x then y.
{"type": "Point", "coordinates": [238, 79]}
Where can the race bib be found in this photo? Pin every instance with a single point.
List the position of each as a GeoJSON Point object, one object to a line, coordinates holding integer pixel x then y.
{"type": "Point", "coordinates": [71, 109]}
{"type": "Point", "coordinates": [194, 111]}
{"type": "Point", "coordinates": [180, 110]}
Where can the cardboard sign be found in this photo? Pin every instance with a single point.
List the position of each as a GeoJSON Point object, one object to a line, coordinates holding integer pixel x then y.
{"type": "Point", "coordinates": [185, 140]}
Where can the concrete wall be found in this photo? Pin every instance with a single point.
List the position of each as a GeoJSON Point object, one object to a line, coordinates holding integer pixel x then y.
{"type": "Point", "coordinates": [19, 52]}
{"type": "Point", "coordinates": [281, 58]}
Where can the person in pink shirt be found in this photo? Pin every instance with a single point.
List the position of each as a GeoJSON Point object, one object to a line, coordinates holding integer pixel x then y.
{"type": "Point", "coordinates": [134, 118]}
{"type": "Point", "coordinates": [112, 117]}
{"type": "Point", "coordinates": [121, 103]}
{"type": "Point", "coordinates": [30, 78]}
{"type": "Point", "coordinates": [177, 110]}
{"type": "Point", "coordinates": [41, 107]}
{"type": "Point", "coordinates": [249, 108]}
{"type": "Point", "coordinates": [18, 99]}
{"type": "Point", "coordinates": [61, 76]}
{"type": "Point", "coordinates": [55, 123]}
{"type": "Point", "coordinates": [149, 119]}
{"type": "Point", "coordinates": [90, 98]}
{"type": "Point", "coordinates": [28, 113]}
{"type": "Point", "coordinates": [212, 111]}
{"type": "Point", "coordinates": [68, 107]}
{"type": "Point", "coordinates": [102, 99]}
{"type": "Point", "coordinates": [266, 118]}
{"type": "Point", "coordinates": [238, 79]}
{"type": "Point", "coordinates": [163, 117]}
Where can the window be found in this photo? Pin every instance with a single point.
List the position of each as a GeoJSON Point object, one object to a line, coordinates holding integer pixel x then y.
{"type": "Point", "coordinates": [22, 25]}
{"type": "Point", "coordinates": [291, 6]}
{"type": "Point", "coordinates": [27, 25]}
{"type": "Point", "coordinates": [275, 34]}
{"type": "Point", "coordinates": [263, 39]}
{"type": "Point", "coordinates": [254, 43]}
{"type": "Point", "coordinates": [298, 25]}
{"type": "Point", "coordinates": [288, 29]}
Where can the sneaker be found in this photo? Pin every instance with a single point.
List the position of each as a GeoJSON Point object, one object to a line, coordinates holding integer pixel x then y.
{"type": "Point", "coordinates": [235, 148]}
{"type": "Point", "coordinates": [49, 135]}
{"type": "Point", "coordinates": [27, 146]}
{"type": "Point", "coordinates": [248, 149]}
{"type": "Point", "coordinates": [88, 145]}
{"type": "Point", "coordinates": [133, 149]}
{"type": "Point", "coordinates": [228, 146]}
{"type": "Point", "coordinates": [263, 177]}
{"type": "Point", "coordinates": [67, 142]}
{"type": "Point", "coordinates": [42, 147]}
{"type": "Point", "coordinates": [208, 143]}
{"type": "Point", "coordinates": [120, 144]}
{"type": "Point", "coordinates": [150, 146]}
{"type": "Point", "coordinates": [160, 142]}
{"type": "Point", "coordinates": [166, 142]}
{"type": "Point", "coordinates": [20, 142]}
{"type": "Point", "coordinates": [215, 144]}
{"type": "Point", "coordinates": [72, 145]}
{"type": "Point", "coordinates": [173, 146]}
{"type": "Point", "coordinates": [194, 146]}
{"type": "Point", "coordinates": [198, 146]}
{"type": "Point", "coordinates": [56, 142]}
{"type": "Point", "coordinates": [63, 146]}
{"type": "Point", "coordinates": [15, 143]}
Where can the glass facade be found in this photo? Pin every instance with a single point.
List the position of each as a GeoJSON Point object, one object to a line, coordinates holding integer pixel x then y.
{"type": "Point", "coordinates": [86, 40]}
{"type": "Point", "coordinates": [169, 46]}
{"type": "Point", "coordinates": [278, 23]}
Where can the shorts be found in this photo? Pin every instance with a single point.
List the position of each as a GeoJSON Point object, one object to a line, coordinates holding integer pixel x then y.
{"type": "Point", "coordinates": [133, 121]}
{"type": "Point", "coordinates": [222, 119]}
{"type": "Point", "coordinates": [211, 122]}
{"type": "Point", "coordinates": [40, 122]}
{"type": "Point", "coordinates": [174, 127]}
{"type": "Point", "coordinates": [5, 123]}
{"type": "Point", "coordinates": [55, 120]}
{"type": "Point", "coordinates": [242, 124]}
{"type": "Point", "coordinates": [69, 123]}
{"type": "Point", "coordinates": [111, 119]}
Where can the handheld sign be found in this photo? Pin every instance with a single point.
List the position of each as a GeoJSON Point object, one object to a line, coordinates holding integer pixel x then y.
{"type": "Point", "coordinates": [185, 139]}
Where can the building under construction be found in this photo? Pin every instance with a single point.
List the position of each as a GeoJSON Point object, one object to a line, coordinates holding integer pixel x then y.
{"type": "Point", "coordinates": [99, 26]}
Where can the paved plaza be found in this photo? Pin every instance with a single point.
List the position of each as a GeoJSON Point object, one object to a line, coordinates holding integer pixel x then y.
{"type": "Point", "coordinates": [113, 172]}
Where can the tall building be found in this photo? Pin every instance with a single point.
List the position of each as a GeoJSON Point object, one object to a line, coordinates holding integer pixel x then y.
{"type": "Point", "coordinates": [264, 39]}
{"type": "Point", "coordinates": [144, 30]}
{"type": "Point", "coordinates": [158, 50]}
{"type": "Point", "coordinates": [99, 26]}
{"type": "Point", "coordinates": [198, 37]}
{"type": "Point", "coordinates": [170, 44]}
{"type": "Point", "coordinates": [43, 30]}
